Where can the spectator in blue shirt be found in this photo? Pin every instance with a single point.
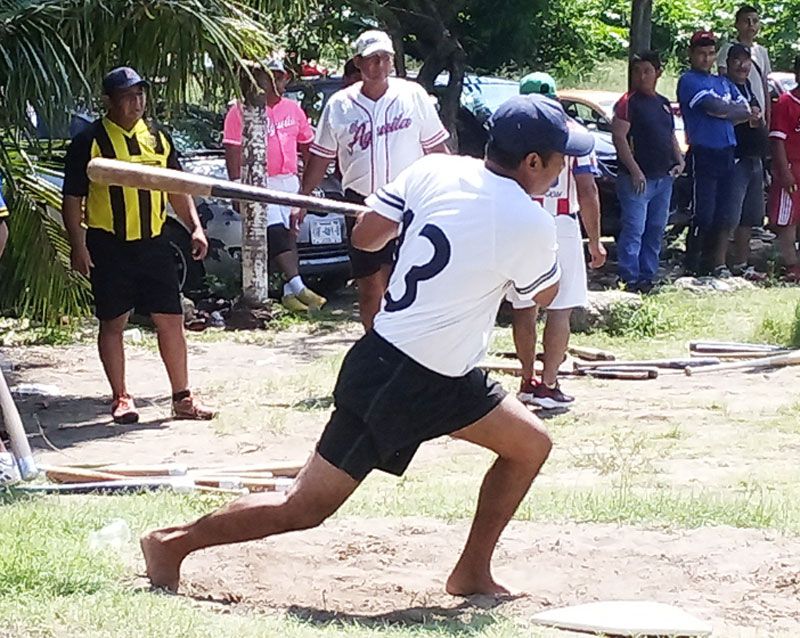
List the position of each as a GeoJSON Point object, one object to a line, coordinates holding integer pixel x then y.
{"type": "Point", "coordinates": [650, 158]}
{"type": "Point", "coordinates": [711, 105]}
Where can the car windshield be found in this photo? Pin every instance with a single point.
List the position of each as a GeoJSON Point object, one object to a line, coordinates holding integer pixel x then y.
{"type": "Point", "coordinates": [482, 96]}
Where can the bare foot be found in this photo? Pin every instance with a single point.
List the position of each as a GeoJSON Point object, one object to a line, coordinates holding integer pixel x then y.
{"type": "Point", "coordinates": [464, 584]}
{"type": "Point", "coordinates": [163, 567]}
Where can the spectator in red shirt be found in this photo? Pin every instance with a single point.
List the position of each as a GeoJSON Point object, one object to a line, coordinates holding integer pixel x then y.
{"type": "Point", "coordinates": [784, 196]}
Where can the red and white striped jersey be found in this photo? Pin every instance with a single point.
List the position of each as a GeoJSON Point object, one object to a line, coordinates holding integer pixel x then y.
{"type": "Point", "coordinates": [562, 198]}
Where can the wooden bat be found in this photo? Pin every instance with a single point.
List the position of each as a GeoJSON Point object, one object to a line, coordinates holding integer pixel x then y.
{"type": "Point", "coordinates": [515, 368]}
{"type": "Point", "coordinates": [591, 354]}
{"type": "Point", "coordinates": [66, 474]}
{"type": "Point", "coordinates": [118, 173]}
{"type": "Point", "coordinates": [777, 361]}
{"type": "Point", "coordinates": [16, 432]}
{"type": "Point", "coordinates": [731, 346]}
{"type": "Point", "coordinates": [740, 355]}
{"type": "Point", "coordinates": [123, 469]}
{"type": "Point", "coordinates": [667, 364]}
{"type": "Point", "coordinates": [126, 486]}
{"type": "Point", "coordinates": [622, 374]}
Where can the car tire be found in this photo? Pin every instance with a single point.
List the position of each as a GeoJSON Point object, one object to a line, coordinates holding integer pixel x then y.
{"type": "Point", "coordinates": [191, 273]}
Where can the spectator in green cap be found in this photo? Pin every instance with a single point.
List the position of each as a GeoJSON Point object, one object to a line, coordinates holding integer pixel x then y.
{"type": "Point", "coordinates": [573, 195]}
{"type": "Point", "coordinates": [538, 82]}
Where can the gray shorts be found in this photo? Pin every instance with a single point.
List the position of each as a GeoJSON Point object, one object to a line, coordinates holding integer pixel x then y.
{"type": "Point", "coordinates": [747, 191]}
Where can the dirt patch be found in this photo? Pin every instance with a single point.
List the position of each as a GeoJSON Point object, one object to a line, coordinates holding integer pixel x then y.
{"type": "Point", "coordinates": [374, 571]}
{"type": "Point", "coordinates": [707, 432]}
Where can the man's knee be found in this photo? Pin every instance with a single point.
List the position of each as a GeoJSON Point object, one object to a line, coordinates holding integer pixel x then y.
{"type": "Point", "coordinates": [531, 444]}
{"type": "Point", "coordinates": [536, 448]}
{"type": "Point", "coordinates": [113, 327]}
{"type": "Point", "coordinates": [301, 514]}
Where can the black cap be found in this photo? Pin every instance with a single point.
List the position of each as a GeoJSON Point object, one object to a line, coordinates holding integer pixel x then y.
{"type": "Point", "coordinates": [123, 77]}
{"type": "Point", "coordinates": [738, 50]}
{"type": "Point", "coordinates": [534, 123]}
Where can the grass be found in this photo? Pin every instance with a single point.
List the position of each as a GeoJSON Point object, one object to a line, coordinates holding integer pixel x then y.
{"type": "Point", "coordinates": [635, 467]}
{"type": "Point", "coordinates": [668, 320]}
{"type": "Point", "coordinates": [52, 584]}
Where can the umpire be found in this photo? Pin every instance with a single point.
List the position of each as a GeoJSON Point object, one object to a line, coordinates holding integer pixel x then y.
{"type": "Point", "coordinates": [130, 265]}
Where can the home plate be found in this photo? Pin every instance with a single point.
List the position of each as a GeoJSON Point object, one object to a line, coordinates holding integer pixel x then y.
{"type": "Point", "coordinates": [625, 618]}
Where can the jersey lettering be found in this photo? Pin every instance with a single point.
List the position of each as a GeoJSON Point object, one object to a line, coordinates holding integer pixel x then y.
{"type": "Point", "coordinates": [362, 137]}
{"type": "Point", "coordinates": [418, 274]}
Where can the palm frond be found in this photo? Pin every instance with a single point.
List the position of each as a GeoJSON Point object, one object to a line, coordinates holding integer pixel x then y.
{"type": "Point", "coordinates": [35, 277]}
{"type": "Point", "coordinates": [53, 55]}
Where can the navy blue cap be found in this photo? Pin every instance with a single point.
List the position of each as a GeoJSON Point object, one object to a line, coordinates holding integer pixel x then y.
{"type": "Point", "coordinates": [738, 50]}
{"type": "Point", "coordinates": [123, 77]}
{"type": "Point", "coordinates": [534, 123]}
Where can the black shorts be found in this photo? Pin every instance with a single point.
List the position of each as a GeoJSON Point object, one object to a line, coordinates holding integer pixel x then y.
{"type": "Point", "coordinates": [363, 262]}
{"type": "Point", "coordinates": [386, 405]}
{"type": "Point", "coordinates": [279, 240]}
{"type": "Point", "coordinates": [140, 274]}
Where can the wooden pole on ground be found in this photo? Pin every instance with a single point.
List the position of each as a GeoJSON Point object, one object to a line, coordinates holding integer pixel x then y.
{"type": "Point", "coordinates": [19, 439]}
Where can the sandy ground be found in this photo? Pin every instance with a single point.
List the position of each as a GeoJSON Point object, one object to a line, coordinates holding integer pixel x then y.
{"type": "Point", "coordinates": [375, 570]}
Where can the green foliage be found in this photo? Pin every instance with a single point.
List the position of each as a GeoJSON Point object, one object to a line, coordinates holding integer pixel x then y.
{"type": "Point", "coordinates": [36, 280]}
{"type": "Point", "coordinates": [648, 320]}
{"type": "Point", "coordinates": [780, 329]}
{"type": "Point", "coordinates": [53, 54]}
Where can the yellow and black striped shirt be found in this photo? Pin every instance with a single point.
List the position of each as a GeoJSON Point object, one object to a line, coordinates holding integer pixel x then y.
{"type": "Point", "coordinates": [128, 213]}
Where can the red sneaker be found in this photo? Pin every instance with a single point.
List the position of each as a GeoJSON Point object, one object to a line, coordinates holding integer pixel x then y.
{"type": "Point", "coordinates": [792, 274]}
{"type": "Point", "coordinates": [527, 389]}
{"type": "Point", "coordinates": [123, 410]}
{"type": "Point", "coordinates": [551, 398]}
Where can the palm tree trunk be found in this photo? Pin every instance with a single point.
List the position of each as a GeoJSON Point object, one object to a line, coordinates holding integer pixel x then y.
{"type": "Point", "coordinates": [255, 258]}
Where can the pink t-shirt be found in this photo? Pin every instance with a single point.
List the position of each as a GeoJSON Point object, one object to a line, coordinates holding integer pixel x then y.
{"type": "Point", "coordinates": [287, 126]}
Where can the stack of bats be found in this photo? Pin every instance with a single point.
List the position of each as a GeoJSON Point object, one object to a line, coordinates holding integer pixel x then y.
{"type": "Point", "coordinates": [121, 477]}
{"type": "Point", "coordinates": [704, 357]}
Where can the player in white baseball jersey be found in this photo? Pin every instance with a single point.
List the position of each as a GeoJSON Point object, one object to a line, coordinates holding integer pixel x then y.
{"type": "Point", "coordinates": [375, 128]}
{"type": "Point", "coordinates": [468, 231]}
{"type": "Point", "coordinates": [575, 193]}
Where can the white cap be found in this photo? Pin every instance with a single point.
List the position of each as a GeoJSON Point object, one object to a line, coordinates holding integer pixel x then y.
{"type": "Point", "coordinates": [273, 64]}
{"type": "Point", "coordinates": [372, 42]}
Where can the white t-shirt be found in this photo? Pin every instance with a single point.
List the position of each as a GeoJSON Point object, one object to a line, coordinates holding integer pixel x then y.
{"type": "Point", "coordinates": [757, 78]}
{"type": "Point", "coordinates": [562, 198]}
{"type": "Point", "coordinates": [375, 140]}
{"type": "Point", "coordinates": [467, 236]}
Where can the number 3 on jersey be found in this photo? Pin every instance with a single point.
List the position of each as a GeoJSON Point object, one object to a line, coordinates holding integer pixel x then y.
{"type": "Point", "coordinates": [418, 274]}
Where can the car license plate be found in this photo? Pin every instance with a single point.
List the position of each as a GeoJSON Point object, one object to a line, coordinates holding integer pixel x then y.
{"type": "Point", "coordinates": [326, 231]}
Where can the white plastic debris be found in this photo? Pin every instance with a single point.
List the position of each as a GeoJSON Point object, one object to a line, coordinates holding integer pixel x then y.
{"type": "Point", "coordinates": [114, 536]}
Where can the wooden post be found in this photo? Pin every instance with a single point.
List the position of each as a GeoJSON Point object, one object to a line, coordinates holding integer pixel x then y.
{"type": "Point", "coordinates": [255, 252]}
